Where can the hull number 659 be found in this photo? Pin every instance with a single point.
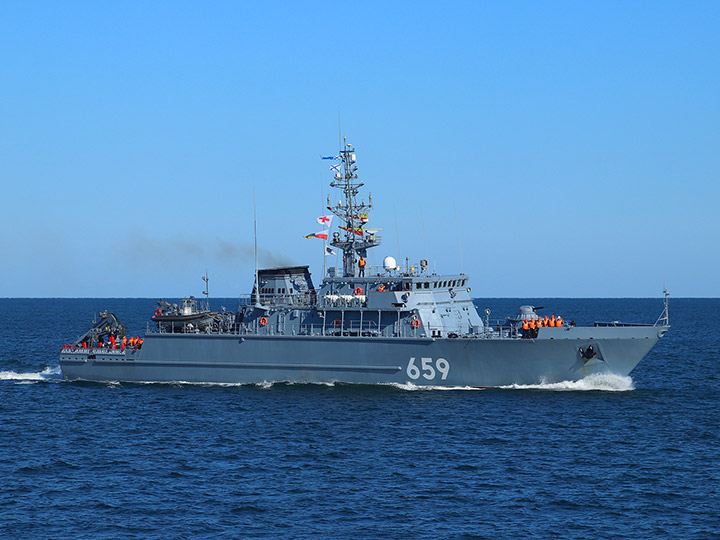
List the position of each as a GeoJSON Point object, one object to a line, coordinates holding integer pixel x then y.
{"type": "Point", "coordinates": [428, 369]}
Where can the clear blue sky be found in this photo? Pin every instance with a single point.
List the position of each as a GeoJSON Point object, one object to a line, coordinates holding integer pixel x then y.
{"type": "Point", "coordinates": [574, 146]}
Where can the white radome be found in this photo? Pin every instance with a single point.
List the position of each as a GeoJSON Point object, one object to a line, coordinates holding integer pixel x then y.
{"type": "Point", "coordinates": [389, 263]}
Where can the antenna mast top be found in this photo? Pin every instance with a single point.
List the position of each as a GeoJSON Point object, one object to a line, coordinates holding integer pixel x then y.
{"type": "Point", "coordinates": [353, 212]}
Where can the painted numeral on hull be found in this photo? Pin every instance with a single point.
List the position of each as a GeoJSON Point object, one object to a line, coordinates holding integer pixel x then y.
{"type": "Point", "coordinates": [427, 369]}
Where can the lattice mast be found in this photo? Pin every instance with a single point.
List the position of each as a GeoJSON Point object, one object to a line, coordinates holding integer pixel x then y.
{"type": "Point", "coordinates": [352, 212]}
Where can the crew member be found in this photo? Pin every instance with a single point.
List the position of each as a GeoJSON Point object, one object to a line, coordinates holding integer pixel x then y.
{"type": "Point", "coordinates": [361, 265]}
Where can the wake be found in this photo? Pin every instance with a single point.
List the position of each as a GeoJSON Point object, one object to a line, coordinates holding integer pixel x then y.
{"type": "Point", "coordinates": [410, 387]}
{"type": "Point", "coordinates": [49, 373]}
{"type": "Point", "coordinates": [604, 382]}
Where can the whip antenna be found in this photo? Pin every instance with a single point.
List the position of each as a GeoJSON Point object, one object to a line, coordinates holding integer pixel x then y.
{"type": "Point", "coordinates": [257, 281]}
{"type": "Point", "coordinates": [457, 225]}
{"type": "Point", "coordinates": [422, 220]}
{"type": "Point", "coordinates": [397, 232]}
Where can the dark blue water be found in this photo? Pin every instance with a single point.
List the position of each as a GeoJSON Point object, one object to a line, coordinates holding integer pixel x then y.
{"type": "Point", "coordinates": [621, 458]}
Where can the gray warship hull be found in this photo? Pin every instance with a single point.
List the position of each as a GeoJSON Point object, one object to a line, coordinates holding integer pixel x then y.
{"type": "Point", "coordinates": [364, 324]}
{"type": "Point", "coordinates": [225, 358]}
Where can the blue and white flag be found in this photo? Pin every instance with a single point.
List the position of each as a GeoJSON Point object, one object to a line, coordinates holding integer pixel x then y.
{"type": "Point", "coordinates": [330, 157]}
{"type": "Point", "coordinates": [335, 168]}
{"type": "Point", "coordinates": [329, 251]}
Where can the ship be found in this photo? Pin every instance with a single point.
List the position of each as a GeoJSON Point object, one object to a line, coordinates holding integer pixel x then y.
{"type": "Point", "coordinates": [400, 324]}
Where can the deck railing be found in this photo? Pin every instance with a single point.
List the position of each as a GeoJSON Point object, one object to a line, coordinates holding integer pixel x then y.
{"type": "Point", "coordinates": [304, 299]}
{"type": "Point", "coordinates": [340, 328]}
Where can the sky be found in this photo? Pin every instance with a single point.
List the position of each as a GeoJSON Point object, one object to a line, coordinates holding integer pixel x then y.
{"type": "Point", "coordinates": [546, 149]}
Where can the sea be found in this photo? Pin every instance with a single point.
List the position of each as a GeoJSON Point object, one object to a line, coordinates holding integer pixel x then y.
{"type": "Point", "coordinates": [606, 457]}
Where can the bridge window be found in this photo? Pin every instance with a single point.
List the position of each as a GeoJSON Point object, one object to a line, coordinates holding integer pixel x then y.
{"type": "Point", "coordinates": [427, 285]}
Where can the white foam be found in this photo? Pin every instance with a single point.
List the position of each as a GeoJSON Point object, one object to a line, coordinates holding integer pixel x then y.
{"type": "Point", "coordinates": [264, 385]}
{"type": "Point", "coordinates": [606, 382]}
{"type": "Point", "coordinates": [412, 387]}
{"type": "Point", "coordinates": [181, 383]}
{"type": "Point", "coordinates": [50, 372]}
{"type": "Point", "coordinates": [269, 384]}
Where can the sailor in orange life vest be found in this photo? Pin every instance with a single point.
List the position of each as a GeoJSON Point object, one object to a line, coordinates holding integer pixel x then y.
{"type": "Point", "coordinates": [361, 265]}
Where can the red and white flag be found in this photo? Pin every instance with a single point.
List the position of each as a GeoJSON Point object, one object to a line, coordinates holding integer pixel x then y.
{"type": "Point", "coordinates": [321, 234]}
{"type": "Point", "coordinates": [325, 220]}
